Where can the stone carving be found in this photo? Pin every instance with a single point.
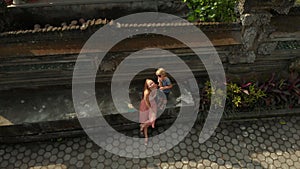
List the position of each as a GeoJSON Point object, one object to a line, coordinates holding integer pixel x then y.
{"type": "Point", "coordinates": [249, 36]}
{"type": "Point", "coordinates": [255, 18]}
{"type": "Point", "coordinates": [267, 48]}
{"type": "Point", "coordinates": [108, 66]}
{"type": "Point", "coordinates": [247, 19]}
{"type": "Point", "coordinates": [255, 29]}
{"type": "Point", "coordinates": [243, 6]}
{"type": "Point", "coordinates": [251, 57]}
{"type": "Point", "coordinates": [283, 6]}
{"type": "Point", "coordinates": [250, 6]}
{"type": "Point", "coordinates": [234, 55]}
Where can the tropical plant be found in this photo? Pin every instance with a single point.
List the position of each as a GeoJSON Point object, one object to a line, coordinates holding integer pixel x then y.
{"type": "Point", "coordinates": [283, 92]}
{"type": "Point", "coordinates": [275, 93]}
{"type": "Point", "coordinates": [217, 92]}
{"type": "Point", "coordinates": [211, 10]}
{"type": "Point", "coordinates": [245, 95]}
{"type": "Point", "coordinates": [238, 96]}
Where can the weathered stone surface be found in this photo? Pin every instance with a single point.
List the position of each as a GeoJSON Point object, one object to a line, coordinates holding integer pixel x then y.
{"type": "Point", "coordinates": [281, 6]}
{"type": "Point", "coordinates": [267, 48]}
{"type": "Point", "coordinates": [258, 19]}
{"type": "Point", "coordinates": [243, 6]}
{"type": "Point", "coordinates": [234, 54]}
{"type": "Point", "coordinates": [284, 6]}
{"type": "Point", "coordinates": [255, 17]}
{"type": "Point", "coordinates": [108, 66]}
{"type": "Point", "coordinates": [247, 19]}
{"type": "Point", "coordinates": [264, 18]}
{"type": "Point", "coordinates": [249, 37]}
{"type": "Point", "coordinates": [93, 9]}
{"type": "Point", "coordinates": [251, 57]}
{"type": "Point", "coordinates": [295, 65]}
{"type": "Point", "coordinates": [176, 6]}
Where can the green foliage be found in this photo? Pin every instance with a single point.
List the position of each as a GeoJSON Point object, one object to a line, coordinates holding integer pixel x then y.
{"type": "Point", "coordinates": [234, 94]}
{"type": "Point", "coordinates": [274, 93]}
{"type": "Point", "coordinates": [209, 90]}
{"type": "Point", "coordinates": [238, 96]}
{"type": "Point", "coordinates": [253, 95]}
{"type": "Point", "coordinates": [211, 10]}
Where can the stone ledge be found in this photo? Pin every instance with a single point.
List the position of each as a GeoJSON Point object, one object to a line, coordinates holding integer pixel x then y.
{"type": "Point", "coordinates": [43, 131]}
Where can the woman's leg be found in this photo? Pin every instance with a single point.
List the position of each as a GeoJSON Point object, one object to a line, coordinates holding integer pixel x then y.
{"type": "Point", "coordinates": [153, 124]}
{"type": "Point", "coordinates": [146, 134]}
{"type": "Point", "coordinates": [142, 127]}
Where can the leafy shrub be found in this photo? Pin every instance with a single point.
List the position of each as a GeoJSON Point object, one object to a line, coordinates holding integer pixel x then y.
{"type": "Point", "coordinates": [211, 10]}
{"type": "Point", "coordinates": [209, 91]}
{"type": "Point", "coordinates": [283, 92]}
{"type": "Point", "coordinates": [271, 94]}
{"type": "Point", "coordinates": [238, 96]}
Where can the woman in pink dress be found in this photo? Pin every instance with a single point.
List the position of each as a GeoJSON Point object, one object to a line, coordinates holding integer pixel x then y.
{"type": "Point", "coordinates": [148, 108]}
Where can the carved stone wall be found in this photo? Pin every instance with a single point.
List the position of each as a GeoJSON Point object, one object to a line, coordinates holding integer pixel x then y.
{"type": "Point", "coordinates": [255, 17]}
{"type": "Point", "coordinates": [251, 47]}
{"type": "Point", "coordinates": [45, 14]}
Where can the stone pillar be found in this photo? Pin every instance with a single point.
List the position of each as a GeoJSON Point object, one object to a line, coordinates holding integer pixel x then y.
{"type": "Point", "coordinates": [255, 17]}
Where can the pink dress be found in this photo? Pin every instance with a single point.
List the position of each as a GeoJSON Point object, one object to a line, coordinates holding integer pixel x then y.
{"type": "Point", "coordinates": [145, 115]}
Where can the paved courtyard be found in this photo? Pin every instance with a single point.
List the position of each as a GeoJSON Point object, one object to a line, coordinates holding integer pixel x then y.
{"type": "Point", "coordinates": [257, 144]}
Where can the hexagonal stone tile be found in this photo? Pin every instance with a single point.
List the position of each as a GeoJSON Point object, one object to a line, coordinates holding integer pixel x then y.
{"type": "Point", "coordinates": [178, 164]}
{"type": "Point", "coordinates": [224, 149]}
{"type": "Point", "coordinates": [191, 156]}
{"type": "Point", "coordinates": [231, 153]}
{"type": "Point", "coordinates": [164, 165]}
{"type": "Point", "coordinates": [228, 164]}
{"type": "Point", "coordinates": [264, 144]}
{"type": "Point", "coordinates": [290, 162]}
{"type": "Point", "coordinates": [192, 164]}
{"type": "Point", "coordinates": [206, 162]}
{"type": "Point", "coordinates": [183, 152]}
{"type": "Point", "coordinates": [297, 164]}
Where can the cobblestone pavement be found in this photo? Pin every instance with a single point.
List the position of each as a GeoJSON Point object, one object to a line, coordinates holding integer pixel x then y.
{"type": "Point", "coordinates": [256, 144]}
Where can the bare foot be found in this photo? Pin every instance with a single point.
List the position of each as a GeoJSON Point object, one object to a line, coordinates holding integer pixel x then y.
{"type": "Point", "coordinates": [146, 141]}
